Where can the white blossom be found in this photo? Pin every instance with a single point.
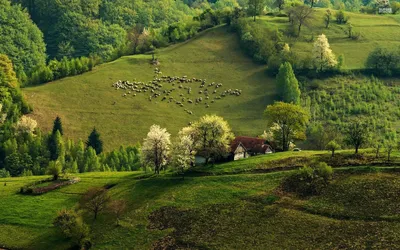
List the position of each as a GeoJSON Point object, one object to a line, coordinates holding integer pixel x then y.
{"type": "Point", "coordinates": [322, 54]}
{"type": "Point", "coordinates": [26, 124]}
{"type": "Point", "coordinates": [156, 147]}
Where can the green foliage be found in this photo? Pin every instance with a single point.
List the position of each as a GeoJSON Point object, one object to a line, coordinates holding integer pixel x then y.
{"type": "Point", "coordinates": [290, 119]}
{"type": "Point", "coordinates": [357, 134]}
{"type": "Point", "coordinates": [309, 180]}
{"type": "Point", "coordinates": [57, 126]}
{"type": "Point", "coordinates": [4, 173]}
{"type": "Point", "coordinates": [95, 142]}
{"type": "Point", "coordinates": [255, 7]}
{"type": "Point", "coordinates": [54, 169]}
{"type": "Point", "coordinates": [336, 102]}
{"type": "Point", "coordinates": [212, 137]}
{"type": "Point", "coordinates": [20, 38]}
{"type": "Point", "coordinates": [341, 17]}
{"type": "Point", "coordinates": [72, 226]}
{"type": "Point", "coordinates": [288, 85]}
{"type": "Point", "coordinates": [332, 146]}
{"type": "Point", "coordinates": [384, 62]}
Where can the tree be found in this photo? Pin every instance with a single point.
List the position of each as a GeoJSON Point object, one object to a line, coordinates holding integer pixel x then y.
{"type": "Point", "coordinates": [117, 207]}
{"type": "Point", "coordinates": [56, 146]}
{"type": "Point", "coordinates": [287, 84]}
{"type": "Point", "coordinates": [137, 36]}
{"type": "Point", "coordinates": [301, 16]}
{"type": "Point", "coordinates": [72, 226]}
{"type": "Point", "coordinates": [341, 17]}
{"type": "Point", "coordinates": [350, 29]}
{"type": "Point", "coordinates": [357, 134]}
{"type": "Point", "coordinates": [312, 2]}
{"type": "Point", "coordinates": [255, 7]}
{"type": "Point", "coordinates": [390, 143]}
{"type": "Point", "coordinates": [21, 39]}
{"type": "Point", "coordinates": [212, 136]}
{"type": "Point", "coordinates": [95, 142]}
{"type": "Point", "coordinates": [327, 18]}
{"type": "Point", "coordinates": [54, 169]}
{"type": "Point", "coordinates": [291, 120]}
{"type": "Point", "coordinates": [95, 200]}
{"type": "Point", "coordinates": [377, 143]}
{"type": "Point", "coordinates": [383, 61]}
{"type": "Point", "coordinates": [26, 125]}
{"type": "Point", "coordinates": [58, 126]}
{"type": "Point", "coordinates": [332, 146]}
{"type": "Point", "coordinates": [183, 153]}
{"type": "Point", "coordinates": [323, 55]}
{"type": "Point", "coordinates": [156, 147]}
{"type": "Point", "coordinates": [280, 4]}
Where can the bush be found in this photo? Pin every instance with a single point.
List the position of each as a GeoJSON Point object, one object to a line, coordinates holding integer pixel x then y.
{"type": "Point", "coordinates": [72, 227]}
{"type": "Point", "coordinates": [4, 173]}
{"type": "Point", "coordinates": [309, 180]}
{"type": "Point", "coordinates": [341, 17]}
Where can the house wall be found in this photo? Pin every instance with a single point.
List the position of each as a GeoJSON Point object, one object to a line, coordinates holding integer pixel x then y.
{"type": "Point", "coordinates": [239, 156]}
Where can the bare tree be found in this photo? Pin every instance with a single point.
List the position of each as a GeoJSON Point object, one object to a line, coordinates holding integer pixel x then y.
{"type": "Point", "coordinates": [95, 200]}
{"type": "Point", "coordinates": [137, 36]}
{"type": "Point", "coordinates": [117, 208]}
{"type": "Point", "coordinates": [301, 16]}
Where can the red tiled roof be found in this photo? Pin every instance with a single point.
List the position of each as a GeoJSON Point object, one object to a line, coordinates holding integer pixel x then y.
{"type": "Point", "coordinates": [252, 144]}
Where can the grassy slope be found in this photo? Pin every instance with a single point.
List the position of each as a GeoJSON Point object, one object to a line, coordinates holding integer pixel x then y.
{"type": "Point", "coordinates": [376, 30]}
{"type": "Point", "coordinates": [224, 212]}
{"type": "Point", "coordinates": [87, 100]}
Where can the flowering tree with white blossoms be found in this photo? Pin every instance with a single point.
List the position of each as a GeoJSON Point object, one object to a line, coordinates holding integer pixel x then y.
{"type": "Point", "coordinates": [156, 148]}
{"type": "Point", "coordinates": [26, 124]}
{"type": "Point", "coordinates": [322, 54]}
{"type": "Point", "coordinates": [183, 152]}
{"type": "Point", "coordinates": [212, 137]}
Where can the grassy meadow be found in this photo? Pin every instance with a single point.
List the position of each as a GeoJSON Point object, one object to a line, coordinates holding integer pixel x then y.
{"type": "Point", "coordinates": [247, 211]}
{"type": "Point", "coordinates": [376, 30]}
{"type": "Point", "coordinates": [89, 100]}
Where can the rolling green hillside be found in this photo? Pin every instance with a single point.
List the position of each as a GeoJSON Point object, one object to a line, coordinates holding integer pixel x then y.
{"type": "Point", "coordinates": [90, 100]}
{"type": "Point", "coordinates": [375, 31]}
{"type": "Point", "coordinates": [246, 211]}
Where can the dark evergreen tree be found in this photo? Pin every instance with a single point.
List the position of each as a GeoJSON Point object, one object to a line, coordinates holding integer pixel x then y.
{"type": "Point", "coordinates": [58, 126]}
{"type": "Point", "coordinates": [95, 142]}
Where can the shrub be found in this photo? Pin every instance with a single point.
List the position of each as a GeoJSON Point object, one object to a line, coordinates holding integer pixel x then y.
{"type": "Point", "coordinates": [72, 227]}
{"type": "Point", "coordinates": [4, 173]}
{"type": "Point", "coordinates": [341, 17]}
{"type": "Point", "coordinates": [309, 180]}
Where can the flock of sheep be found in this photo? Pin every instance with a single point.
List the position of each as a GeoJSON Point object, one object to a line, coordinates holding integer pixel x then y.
{"type": "Point", "coordinates": [156, 89]}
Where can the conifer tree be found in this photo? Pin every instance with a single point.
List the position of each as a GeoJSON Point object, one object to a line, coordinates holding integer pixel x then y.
{"type": "Point", "coordinates": [56, 146]}
{"type": "Point", "coordinates": [58, 126]}
{"type": "Point", "coordinates": [95, 142]}
{"type": "Point", "coordinates": [288, 85]}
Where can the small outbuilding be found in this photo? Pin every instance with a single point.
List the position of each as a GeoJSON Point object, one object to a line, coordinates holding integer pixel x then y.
{"type": "Point", "coordinates": [244, 147]}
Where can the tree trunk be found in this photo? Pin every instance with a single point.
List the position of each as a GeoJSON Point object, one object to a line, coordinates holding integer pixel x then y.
{"type": "Point", "coordinates": [356, 150]}
{"type": "Point", "coordinates": [298, 34]}
{"type": "Point", "coordinates": [333, 153]}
